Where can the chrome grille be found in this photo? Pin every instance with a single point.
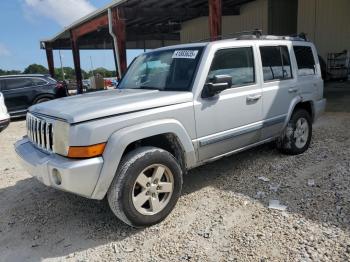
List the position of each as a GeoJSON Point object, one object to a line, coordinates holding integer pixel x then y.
{"type": "Point", "coordinates": [40, 132]}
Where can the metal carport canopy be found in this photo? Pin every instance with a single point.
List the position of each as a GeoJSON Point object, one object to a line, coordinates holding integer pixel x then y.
{"type": "Point", "coordinates": [135, 24]}
{"type": "Point", "coordinates": [148, 24]}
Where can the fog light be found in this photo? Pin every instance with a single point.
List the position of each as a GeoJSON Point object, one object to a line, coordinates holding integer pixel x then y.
{"type": "Point", "coordinates": [56, 176]}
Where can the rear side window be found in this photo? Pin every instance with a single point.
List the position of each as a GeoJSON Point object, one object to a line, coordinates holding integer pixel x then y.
{"type": "Point", "coordinates": [38, 82]}
{"type": "Point", "coordinates": [305, 60]}
{"type": "Point", "coordinates": [236, 62]}
{"type": "Point", "coordinates": [276, 63]}
{"type": "Point", "coordinates": [52, 79]}
{"type": "Point", "coordinates": [18, 83]}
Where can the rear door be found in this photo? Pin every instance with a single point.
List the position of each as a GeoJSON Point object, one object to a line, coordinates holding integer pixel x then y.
{"type": "Point", "coordinates": [279, 86]}
{"type": "Point", "coordinates": [18, 93]}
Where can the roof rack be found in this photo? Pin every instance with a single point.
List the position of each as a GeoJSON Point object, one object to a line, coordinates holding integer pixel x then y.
{"type": "Point", "coordinates": [255, 35]}
{"type": "Point", "coordinates": [24, 75]}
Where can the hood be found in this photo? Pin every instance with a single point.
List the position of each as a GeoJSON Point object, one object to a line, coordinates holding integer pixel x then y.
{"type": "Point", "coordinates": [100, 104]}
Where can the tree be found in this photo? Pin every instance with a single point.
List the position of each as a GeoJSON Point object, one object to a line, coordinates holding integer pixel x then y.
{"type": "Point", "coordinates": [9, 72]}
{"type": "Point", "coordinates": [103, 72]}
{"type": "Point", "coordinates": [36, 69]}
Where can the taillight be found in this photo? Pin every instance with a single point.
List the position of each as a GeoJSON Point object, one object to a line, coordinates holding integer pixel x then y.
{"type": "Point", "coordinates": [59, 85]}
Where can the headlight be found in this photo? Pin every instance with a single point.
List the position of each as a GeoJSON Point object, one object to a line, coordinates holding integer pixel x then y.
{"type": "Point", "coordinates": [61, 135]}
{"type": "Point", "coordinates": [61, 138]}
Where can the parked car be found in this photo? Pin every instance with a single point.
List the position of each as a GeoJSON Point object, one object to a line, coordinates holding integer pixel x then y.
{"type": "Point", "coordinates": [22, 91]}
{"type": "Point", "coordinates": [86, 84]}
{"type": "Point", "coordinates": [176, 108]}
{"type": "Point", "coordinates": [4, 116]}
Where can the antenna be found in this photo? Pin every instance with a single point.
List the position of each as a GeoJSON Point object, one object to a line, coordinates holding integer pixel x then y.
{"type": "Point", "coordinates": [92, 67]}
{"type": "Point", "coordinates": [59, 52]}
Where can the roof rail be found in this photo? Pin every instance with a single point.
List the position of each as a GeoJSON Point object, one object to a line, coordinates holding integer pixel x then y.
{"type": "Point", "coordinates": [256, 34]}
{"type": "Point", "coordinates": [24, 75]}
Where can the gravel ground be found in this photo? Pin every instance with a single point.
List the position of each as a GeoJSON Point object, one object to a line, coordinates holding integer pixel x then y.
{"type": "Point", "coordinates": [223, 214]}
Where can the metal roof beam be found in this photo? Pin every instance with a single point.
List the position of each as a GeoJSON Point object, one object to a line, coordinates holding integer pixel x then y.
{"type": "Point", "coordinates": [155, 36]}
{"type": "Point", "coordinates": [90, 26]}
{"type": "Point", "coordinates": [140, 29]}
{"type": "Point", "coordinates": [178, 13]}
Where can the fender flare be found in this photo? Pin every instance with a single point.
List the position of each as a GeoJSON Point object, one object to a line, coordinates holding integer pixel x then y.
{"type": "Point", "coordinates": [119, 140]}
{"type": "Point", "coordinates": [292, 106]}
{"type": "Point", "coordinates": [294, 103]}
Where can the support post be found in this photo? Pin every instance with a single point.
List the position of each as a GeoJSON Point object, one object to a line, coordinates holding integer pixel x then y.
{"type": "Point", "coordinates": [119, 36]}
{"type": "Point", "coordinates": [215, 19]}
{"type": "Point", "coordinates": [76, 59]}
{"type": "Point", "coordinates": [50, 61]}
{"type": "Point", "coordinates": [115, 61]}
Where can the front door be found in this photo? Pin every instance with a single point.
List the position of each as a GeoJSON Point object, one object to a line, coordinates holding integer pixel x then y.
{"type": "Point", "coordinates": [231, 119]}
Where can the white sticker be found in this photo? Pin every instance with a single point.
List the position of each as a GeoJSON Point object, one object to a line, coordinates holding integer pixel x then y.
{"type": "Point", "coordinates": [189, 54]}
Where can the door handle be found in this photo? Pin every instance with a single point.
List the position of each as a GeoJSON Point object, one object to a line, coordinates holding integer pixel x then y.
{"type": "Point", "coordinates": [252, 98]}
{"type": "Point", "coordinates": [293, 90]}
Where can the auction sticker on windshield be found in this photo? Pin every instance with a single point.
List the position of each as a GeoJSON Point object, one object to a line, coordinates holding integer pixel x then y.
{"type": "Point", "coordinates": [189, 54]}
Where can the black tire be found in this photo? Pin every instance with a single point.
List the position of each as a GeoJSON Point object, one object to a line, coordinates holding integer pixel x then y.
{"type": "Point", "coordinates": [121, 192]}
{"type": "Point", "coordinates": [287, 142]}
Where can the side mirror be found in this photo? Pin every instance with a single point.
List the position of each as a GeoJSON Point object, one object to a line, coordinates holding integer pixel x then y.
{"type": "Point", "coordinates": [218, 84]}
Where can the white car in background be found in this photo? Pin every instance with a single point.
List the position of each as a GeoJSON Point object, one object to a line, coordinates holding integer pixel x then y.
{"type": "Point", "coordinates": [4, 116]}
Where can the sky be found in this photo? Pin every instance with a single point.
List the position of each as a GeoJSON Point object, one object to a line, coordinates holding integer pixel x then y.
{"type": "Point", "coordinates": [23, 23]}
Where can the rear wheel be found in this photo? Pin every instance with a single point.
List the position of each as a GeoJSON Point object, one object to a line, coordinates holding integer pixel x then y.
{"type": "Point", "coordinates": [297, 136]}
{"type": "Point", "coordinates": [146, 187]}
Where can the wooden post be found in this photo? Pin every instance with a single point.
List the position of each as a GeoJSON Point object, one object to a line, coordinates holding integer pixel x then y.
{"type": "Point", "coordinates": [76, 59]}
{"type": "Point", "coordinates": [118, 26]}
{"type": "Point", "coordinates": [50, 60]}
{"type": "Point", "coordinates": [215, 19]}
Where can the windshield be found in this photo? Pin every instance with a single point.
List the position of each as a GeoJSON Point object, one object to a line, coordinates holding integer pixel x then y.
{"type": "Point", "coordinates": [166, 70]}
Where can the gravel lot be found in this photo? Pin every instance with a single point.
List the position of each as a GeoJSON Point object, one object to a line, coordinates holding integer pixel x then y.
{"type": "Point", "coordinates": [223, 214]}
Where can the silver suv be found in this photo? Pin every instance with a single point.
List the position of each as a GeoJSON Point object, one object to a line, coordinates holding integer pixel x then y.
{"type": "Point", "coordinates": [176, 108]}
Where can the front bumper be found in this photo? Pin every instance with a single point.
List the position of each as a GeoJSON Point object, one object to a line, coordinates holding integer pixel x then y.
{"type": "Point", "coordinates": [319, 107]}
{"type": "Point", "coordinates": [4, 123]}
{"type": "Point", "coordinates": [71, 175]}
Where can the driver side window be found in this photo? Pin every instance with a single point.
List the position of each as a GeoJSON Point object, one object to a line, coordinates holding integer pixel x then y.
{"type": "Point", "coordinates": [235, 62]}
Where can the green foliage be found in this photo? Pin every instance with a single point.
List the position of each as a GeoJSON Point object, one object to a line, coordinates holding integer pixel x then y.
{"type": "Point", "coordinates": [36, 69]}
{"type": "Point", "coordinates": [103, 72]}
{"type": "Point", "coordinates": [69, 73]}
{"type": "Point", "coordinates": [9, 72]}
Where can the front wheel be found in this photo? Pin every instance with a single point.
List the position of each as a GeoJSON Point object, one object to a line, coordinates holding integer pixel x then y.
{"type": "Point", "coordinates": [146, 187]}
{"type": "Point", "coordinates": [42, 100]}
{"type": "Point", "coordinates": [297, 136]}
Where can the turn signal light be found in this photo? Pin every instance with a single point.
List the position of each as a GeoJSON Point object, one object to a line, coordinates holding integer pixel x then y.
{"type": "Point", "coordinates": [86, 151]}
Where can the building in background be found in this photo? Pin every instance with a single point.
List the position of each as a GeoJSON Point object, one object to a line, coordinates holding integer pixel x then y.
{"type": "Point", "coordinates": [325, 22]}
